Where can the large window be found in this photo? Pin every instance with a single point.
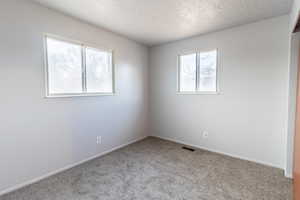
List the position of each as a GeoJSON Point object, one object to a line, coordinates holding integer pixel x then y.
{"type": "Point", "coordinates": [74, 69]}
{"type": "Point", "coordinates": [197, 73]}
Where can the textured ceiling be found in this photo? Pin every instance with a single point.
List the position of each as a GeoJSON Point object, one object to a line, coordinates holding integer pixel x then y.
{"type": "Point", "coordinates": [154, 22]}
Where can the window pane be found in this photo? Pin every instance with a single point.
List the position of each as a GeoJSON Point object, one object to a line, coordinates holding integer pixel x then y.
{"type": "Point", "coordinates": [208, 71]}
{"type": "Point", "coordinates": [187, 73]}
{"type": "Point", "coordinates": [64, 67]}
{"type": "Point", "coordinates": [99, 71]}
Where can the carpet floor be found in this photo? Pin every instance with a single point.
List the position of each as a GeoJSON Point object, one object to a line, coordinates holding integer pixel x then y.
{"type": "Point", "coordinates": [155, 169]}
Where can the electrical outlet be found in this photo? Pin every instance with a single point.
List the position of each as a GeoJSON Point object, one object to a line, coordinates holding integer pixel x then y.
{"type": "Point", "coordinates": [205, 134]}
{"type": "Point", "coordinates": [98, 140]}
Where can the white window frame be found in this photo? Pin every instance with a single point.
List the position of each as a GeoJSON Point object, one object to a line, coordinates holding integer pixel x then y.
{"type": "Point", "coordinates": [197, 91]}
{"type": "Point", "coordinates": [84, 46]}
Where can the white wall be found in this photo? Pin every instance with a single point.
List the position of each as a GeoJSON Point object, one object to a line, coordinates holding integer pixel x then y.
{"type": "Point", "coordinates": [39, 135]}
{"type": "Point", "coordinates": [249, 118]}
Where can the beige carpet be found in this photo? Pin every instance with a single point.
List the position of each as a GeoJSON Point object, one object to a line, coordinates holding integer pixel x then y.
{"type": "Point", "coordinates": [161, 170]}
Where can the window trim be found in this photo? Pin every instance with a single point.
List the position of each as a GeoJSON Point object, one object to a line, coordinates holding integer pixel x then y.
{"type": "Point", "coordinates": [83, 45]}
{"type": "Point", "coordinates": [197, 92]}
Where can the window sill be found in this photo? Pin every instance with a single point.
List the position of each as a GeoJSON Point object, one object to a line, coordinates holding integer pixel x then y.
{"type": "Point", "coordinates": [79, 95]}
{"type": "Point", "coordinates": [198, 93]}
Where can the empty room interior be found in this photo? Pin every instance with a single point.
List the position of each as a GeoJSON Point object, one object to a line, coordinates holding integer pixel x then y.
{"type": "Point", "coordinates": [149, 100]}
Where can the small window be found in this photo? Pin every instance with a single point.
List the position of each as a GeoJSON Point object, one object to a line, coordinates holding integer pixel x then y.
{"type": "Point", "coordinates": [74, 69]}
{"type": "Point", "coordinates": [99, 71]}
{"type": "Point", "coordinates": [197, 73]}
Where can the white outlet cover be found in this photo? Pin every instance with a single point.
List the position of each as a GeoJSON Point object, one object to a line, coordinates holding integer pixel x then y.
{"type": "Point", "coordinates": [205, 134]}
{"type": "Point", "coordinates": [98, 140]}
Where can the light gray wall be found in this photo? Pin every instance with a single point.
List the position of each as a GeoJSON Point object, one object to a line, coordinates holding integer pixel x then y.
{"type": "Point", "coordinates": [249, 118]}
{"type": "Point", "coordinates": [39, 135]}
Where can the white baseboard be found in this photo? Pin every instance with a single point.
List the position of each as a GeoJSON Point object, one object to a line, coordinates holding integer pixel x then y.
{"type": "Point", "coordinates": [219, 152]}
{"type": "Point", "coordinates": [288, 174]}
{"type": "Point", "coordinates": [19, 186]}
